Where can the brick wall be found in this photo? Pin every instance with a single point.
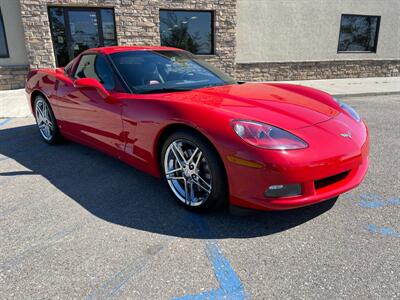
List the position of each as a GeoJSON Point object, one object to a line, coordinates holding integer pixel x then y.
{"type": "Point", "coordinates": [317, 70]}
{"type": "Point", "coordinates": [137, 23]}
{"type": "Point", "coordinates": [12, 77]}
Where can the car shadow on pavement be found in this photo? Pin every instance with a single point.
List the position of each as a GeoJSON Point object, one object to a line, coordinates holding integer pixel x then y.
{"type": "Point", "coordinates": [117, 193]}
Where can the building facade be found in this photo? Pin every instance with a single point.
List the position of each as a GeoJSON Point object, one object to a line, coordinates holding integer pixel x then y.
{"type": "Point", "coordinates": [248, 39]}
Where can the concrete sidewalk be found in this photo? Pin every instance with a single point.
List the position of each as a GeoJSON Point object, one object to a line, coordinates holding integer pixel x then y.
{"type": "Point", "coordinates": [13, 103]}
{"type": "Point", "coordinates": [355, 86]}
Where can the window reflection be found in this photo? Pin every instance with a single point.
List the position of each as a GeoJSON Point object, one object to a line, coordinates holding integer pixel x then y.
{"type": "Point", "coordinates": [358, 33]}
{"type": "Point", "coordinates": [3, 40]}
{"type": "Point", "coordinates": [58, 35]}
{"type": "Point", "coordinates": [148, 71]}
{"type": "Point", "coordinates": [189, 30]}
{"type": "Point", "coordinates": [84, 30]}
{"type": "Point", "coordinates": [108, 26]}
{"type": "Point", "coordinates": [74, 30]}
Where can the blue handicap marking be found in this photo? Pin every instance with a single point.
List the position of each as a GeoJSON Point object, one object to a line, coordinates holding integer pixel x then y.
{"type": "Point", "coordinates": [385, 231]}
{"type": "Point", "coordinates": [226, 276]}
{"type": "Point", "coordinates": [394, 201]}
{"type": "Point", "coordinates": [377, 201]}
{"type": "Point", "coordinates": [230, 286]}
{"type": "Point", "coordinates": [371, 201]}
{"type": "Point", "coordinates": [5, 121]}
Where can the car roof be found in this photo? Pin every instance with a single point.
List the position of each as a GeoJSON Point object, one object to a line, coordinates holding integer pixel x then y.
{"type": "Point", "coordinates": [115, 49]}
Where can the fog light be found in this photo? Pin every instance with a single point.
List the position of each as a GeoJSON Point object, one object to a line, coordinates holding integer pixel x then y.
{"type": "Point", "coordinates": [283, 190]}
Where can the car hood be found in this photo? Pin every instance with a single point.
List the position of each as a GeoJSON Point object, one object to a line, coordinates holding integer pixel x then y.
{"type": "Point", "coordinates": [283, 105]}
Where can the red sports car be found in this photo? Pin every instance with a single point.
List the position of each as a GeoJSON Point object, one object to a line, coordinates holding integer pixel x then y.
{"type": "Point", "coordinates": [214, 141]}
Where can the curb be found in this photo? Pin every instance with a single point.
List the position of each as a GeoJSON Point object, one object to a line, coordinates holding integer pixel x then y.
{"type": "Point", "coordinates": [367, 94]}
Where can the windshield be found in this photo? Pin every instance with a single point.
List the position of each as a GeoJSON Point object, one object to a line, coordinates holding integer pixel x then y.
{"type": "Point", "coordinates": [165, 71]}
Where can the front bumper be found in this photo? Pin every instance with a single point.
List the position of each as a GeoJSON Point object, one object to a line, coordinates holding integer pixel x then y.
{"type": "Point", "coordinates": [320, 179]}
{"type": "Point", "coordinates": [310, 196]}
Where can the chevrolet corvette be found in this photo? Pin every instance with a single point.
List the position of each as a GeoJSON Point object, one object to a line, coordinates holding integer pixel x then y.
{"type": "Point", "coordinates": [213, 140]}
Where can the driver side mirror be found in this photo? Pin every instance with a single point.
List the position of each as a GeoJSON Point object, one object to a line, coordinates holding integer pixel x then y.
{"type": "Point", "coordinates": [91, 83]}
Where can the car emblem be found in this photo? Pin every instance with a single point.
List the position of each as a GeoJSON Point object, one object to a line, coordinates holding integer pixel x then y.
{"type": "Point", "coordinates": [346, 135]}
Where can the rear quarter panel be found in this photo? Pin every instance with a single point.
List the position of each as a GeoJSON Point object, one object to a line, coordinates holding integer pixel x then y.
{"type": "Point", "coordinates": [45, 82]}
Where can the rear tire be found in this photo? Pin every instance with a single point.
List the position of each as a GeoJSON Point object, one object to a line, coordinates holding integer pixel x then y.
{"type": "Point", "coordinates": [45, 120]}
{"type": "Point", "coordinates": [194, 172]}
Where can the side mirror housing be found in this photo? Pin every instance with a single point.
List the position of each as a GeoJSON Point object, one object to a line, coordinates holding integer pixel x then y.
{"type": "Point", "coordinates": [91, 83]}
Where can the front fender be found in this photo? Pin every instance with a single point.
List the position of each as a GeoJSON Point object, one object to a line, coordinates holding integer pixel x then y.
{"type": "Point", "coordinates": [145, 121]}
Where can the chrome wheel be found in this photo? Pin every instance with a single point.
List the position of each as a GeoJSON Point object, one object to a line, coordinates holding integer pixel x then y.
{"type": "Point", "coordinates": [187, 172]}
{"type": "Point", "coordinates": [44, 119]}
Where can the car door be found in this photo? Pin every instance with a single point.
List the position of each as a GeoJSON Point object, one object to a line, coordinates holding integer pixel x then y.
{"type": "Point", "coordinates": [87, 115]}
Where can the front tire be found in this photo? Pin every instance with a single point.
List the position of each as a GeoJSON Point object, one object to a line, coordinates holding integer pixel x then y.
{"type": "Point", "coordinates": [46, 121]}
{"type": "Point", "coordinates": [194, 171]}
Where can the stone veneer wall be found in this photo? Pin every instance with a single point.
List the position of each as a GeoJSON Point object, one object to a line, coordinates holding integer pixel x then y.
{"type": "Point", "coordinates": [137, 23]}
{"type": "Point", "coordinates": [12, 77]}
{"type": "Point", "coordinates": [317, 70]}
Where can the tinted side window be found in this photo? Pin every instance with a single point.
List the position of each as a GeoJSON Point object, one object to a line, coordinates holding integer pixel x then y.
{"type": "Point", "coordinates": [95, 66]}
{"type": "Point", "coordinates": [68, 67]}
{"type": "Point", "coordinates": [85, 68]}
{"type": "Point", "coordinates": [104, 72]}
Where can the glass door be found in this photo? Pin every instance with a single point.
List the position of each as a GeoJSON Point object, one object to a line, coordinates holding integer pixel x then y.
{"type": "Point", "coordinates": [75, 29]}
{"type": "Point", "coordinates": [83, 30]}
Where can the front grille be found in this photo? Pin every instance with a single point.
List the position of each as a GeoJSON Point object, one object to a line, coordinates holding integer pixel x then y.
{"type": "Point", "coordinates": [324, 182]}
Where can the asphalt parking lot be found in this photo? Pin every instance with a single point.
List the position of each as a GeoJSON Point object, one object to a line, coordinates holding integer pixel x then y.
{"type": "Point", "coordinates": [78, 224]}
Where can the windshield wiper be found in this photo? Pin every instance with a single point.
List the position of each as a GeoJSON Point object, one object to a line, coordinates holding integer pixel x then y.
{"type": "Point", "coordinates": [164, 90]}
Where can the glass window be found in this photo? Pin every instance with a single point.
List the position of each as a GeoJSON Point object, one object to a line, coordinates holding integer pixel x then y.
{"type": "Point", "coordinates": [104, 72]}
{"type": "Point", "coordinates": [68, 67]}
{"type": "Point", "coordinates": [58, 35]}
{"type": "Point", "coordinates": [160, 71]}
{"type": "Point", "coordinates": [75, 29]}
{"type": "Point", "coordinates": [108, 26]}
{"type": "Point", "coordinates": [188, 30]}
{"type": "Point", "coordinates": [358, 33]}
{"type": "Point", "coordinates": [3, 40]}
{"type": "Point", "coordinates": [95, 66]}
{"type": "Point", "coordinates": [84, 30]}
{"type": "Point", "coordinates": [85, 68]}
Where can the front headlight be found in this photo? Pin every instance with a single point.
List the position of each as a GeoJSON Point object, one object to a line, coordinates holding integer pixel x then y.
{"type": "Point", "coordinates": [351, 111]}
{"type": "Point", "coordinates": [267, 136]}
